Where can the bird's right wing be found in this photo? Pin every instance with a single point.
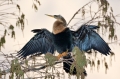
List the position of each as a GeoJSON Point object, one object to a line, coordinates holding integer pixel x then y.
{"type": "Point", "coordinates": [86, 39]}
{"type": "Point", "coordinates": [41, 43]}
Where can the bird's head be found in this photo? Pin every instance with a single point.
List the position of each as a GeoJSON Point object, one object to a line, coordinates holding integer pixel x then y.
{"type": "Point", "coordinates": [59, 18]}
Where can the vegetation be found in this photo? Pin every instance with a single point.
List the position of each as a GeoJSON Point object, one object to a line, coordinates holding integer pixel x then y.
{"type": "Point", "coordinates": [10, 10]}
{"type": "Point", "coordinates": [48, 67]}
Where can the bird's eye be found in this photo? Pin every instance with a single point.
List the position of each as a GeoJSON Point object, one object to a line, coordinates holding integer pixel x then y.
{"type": "Point", "coordinates": [55, 15]}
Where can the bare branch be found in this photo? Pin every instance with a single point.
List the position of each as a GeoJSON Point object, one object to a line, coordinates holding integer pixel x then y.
{"type": "Point", "coordinates": [78, 12]}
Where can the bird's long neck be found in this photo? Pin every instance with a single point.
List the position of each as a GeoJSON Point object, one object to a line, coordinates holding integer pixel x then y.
{"type": "Point", "coordinates": [64, 21]}
{"type": "Point", "coordinates": [58, 27]}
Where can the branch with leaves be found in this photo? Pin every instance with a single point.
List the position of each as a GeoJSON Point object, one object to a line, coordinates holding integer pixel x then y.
{"type": "Point", "coordinates": [46, 65]}
{"type": "Point", "coordinates": [10, 10]}
{"type": "Point", "coordinates": [103, 17]}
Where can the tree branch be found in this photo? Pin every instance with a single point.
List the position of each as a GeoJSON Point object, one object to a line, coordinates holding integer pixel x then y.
{"type": "Point", "coordinates": [78, 12]}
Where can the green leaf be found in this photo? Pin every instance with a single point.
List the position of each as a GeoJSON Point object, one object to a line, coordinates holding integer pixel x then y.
{"type": "Point", "coordinates": [26, 62]}
{"type": "Point", "coordinates": [115, 37]}
{"type": "Point", "coordinates": [3, 40]}
{"type": "Point", "coordinates": [50, 59]}
{"type": "Point", "coordinates": [18, 7]}
{"type": "Point", "coordinates": [93, 63]}
{"type": "Point", "coordinates": [79, 57]}
{"type": "Point", "coordinates": [111, 9]}
{"type": "Point", "coordinates": [72, 67]}
{"type": "Point", "coordinates": [35, 7]}
{"type": "Point", "coordinates": [18, 23]}
{"type": "Point", "coordinates": [22, 16]}
{"type": "Point", "coordinates": [39, 2]}
{"type": "Point", "coordinates": [79, 63]}
{"type": "Point", "coordinates": [98, 62]}
{"type": "Point", "coordinates": [5, 31]}
{"type": "Point", "coordinates": [106, 67]}
{"type": "Point", "coordinates": [13, 34]}
{"type": "Point", "coordinates": [83, 12]}
{"type": "Point", "coordinates": [0, 45]}
{"type": "Point", "coordinates": [99, 23]}
{"type": "Point", "coordinates": [16, 61]}
{"type": "Point", "coordinates": [11, 27]}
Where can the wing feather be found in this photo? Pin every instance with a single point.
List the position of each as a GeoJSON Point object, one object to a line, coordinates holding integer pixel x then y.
{"type": "Point", "coordinates": [41, 43]}
{"type": "Point", "coordinates": [86, 38]}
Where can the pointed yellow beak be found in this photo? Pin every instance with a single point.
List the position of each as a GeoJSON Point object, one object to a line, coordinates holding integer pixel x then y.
{"type": "Point", "coordinates": [50, 15]}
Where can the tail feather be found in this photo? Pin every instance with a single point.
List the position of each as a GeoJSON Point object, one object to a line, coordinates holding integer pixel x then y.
{"type": "Point", "coordinates": [67, 64]}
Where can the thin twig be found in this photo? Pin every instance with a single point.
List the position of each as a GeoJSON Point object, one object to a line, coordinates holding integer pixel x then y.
{"type": "Point", "coordinates": [78, 12]}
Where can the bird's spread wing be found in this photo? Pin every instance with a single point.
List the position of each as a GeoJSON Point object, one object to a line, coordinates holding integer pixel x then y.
{"type": "Point", "coordinates": [41, 43]}
{"type": "Point", "coordinates": [86, 38]}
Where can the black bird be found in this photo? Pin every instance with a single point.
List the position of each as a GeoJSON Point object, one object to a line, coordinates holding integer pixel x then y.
{"type": "Point", "coordinates": [64, 40]}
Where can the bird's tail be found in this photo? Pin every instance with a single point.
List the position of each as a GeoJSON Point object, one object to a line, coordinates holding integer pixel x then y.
{"type": "Point", "coordinates": [68, 60]}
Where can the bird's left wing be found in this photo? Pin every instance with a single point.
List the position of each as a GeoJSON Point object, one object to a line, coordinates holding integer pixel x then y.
{"type": "Point", "coordinates": [86, 38]}
{"type": "Point", "coordinates": [41, 43]}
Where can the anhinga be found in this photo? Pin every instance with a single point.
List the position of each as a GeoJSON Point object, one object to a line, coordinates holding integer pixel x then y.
{"type": "Point", "coordinates": [64, 40]}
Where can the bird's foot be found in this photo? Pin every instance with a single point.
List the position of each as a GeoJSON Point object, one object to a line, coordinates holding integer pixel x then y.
{"type": "Point", "coordinates": [62, 55]}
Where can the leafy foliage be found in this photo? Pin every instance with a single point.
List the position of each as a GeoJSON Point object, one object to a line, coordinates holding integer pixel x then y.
{"type": "Point", "coordinates": [20, 21]}
{"type": "Point", "coordinates": [6, 16]}
{"type": "Point", "coordinates": [50, 59]}
{"type": "Point", "coordinates": [80, 62]}
{"type": "Point", "coordinates": [102, 16]}
{"type": "Point", "coordinates": [35, 5]}
{"type": "Point", "coordinates": [16, 70]}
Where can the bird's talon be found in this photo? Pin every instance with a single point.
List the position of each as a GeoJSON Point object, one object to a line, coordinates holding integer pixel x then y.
{"type": "Point", "coordinates": [62, 55]}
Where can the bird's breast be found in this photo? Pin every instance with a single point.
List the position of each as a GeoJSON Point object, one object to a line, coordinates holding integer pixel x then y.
{"type": "Point", "coordinates": [58, 27]}
{"type": "Point", "coordinates": [63, 41]}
